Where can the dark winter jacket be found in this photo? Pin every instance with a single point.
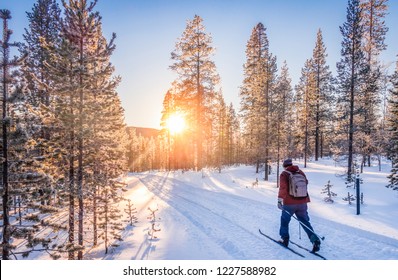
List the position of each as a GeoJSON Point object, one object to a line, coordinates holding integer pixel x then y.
{"type": "Point", "coordinates": [284, 187]}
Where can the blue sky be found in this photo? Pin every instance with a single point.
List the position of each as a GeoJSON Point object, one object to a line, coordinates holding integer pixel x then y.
{"type": "Point", "coordinates": [148, 30]}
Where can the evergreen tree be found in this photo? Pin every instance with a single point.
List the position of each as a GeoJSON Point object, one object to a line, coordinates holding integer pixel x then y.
{"type": "Point", "coordinates": [305, 100]}
{"type": "Point", "coordinates": [323, 93]}
{"type": "Point", "coordinates": [375, 29]}
{"type": "Point", "coordinates": [282, 116]}
{"type": "Point", "coordinates": [374, 12]}
{"type": "Point", "coordinates": [20, 163]}
{"type": "Point", "coordinates": [256, 95]}
{"type": "Point", "coordinates": [87, 113]}
{"type": "Point", "coordinates": [393, 129]}
{"type": "Point", "coordinates": [351, 72]}
{"type": "Point", "coordinates": [7, 84]}
{"type": "Point", "coordinates": [197, 73]}
{"type": "Point", "coordinates": [44, 26]}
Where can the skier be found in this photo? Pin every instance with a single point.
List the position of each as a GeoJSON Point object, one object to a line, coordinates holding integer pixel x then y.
{"type": "Point", "coordinates": [291, 205]}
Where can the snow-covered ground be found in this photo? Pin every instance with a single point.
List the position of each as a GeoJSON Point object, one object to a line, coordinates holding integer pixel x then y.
{"type": "Point", "coordinates": [217, 216]}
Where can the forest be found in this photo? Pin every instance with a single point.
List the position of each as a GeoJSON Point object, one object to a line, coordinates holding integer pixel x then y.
{"type": "Point", "coordinates": [65, 145]}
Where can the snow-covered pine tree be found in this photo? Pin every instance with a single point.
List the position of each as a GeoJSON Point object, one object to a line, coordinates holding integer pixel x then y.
{"type": "Point", "coordinates": [131, 212]}
{"type": "Point", "coordinates": [20, 174]}
{"type": "Point", "coordinates": [152, 220]}
{"type": "Point", "coordinates": [109, 216]}
{"type": "Point", "coordinates": [349, 198]}
{"type": "Point", "coordinates": [61, 118]}
{"type": "Point", "coordinates": [393, 130]}
{"type": "Point", "coordinates": [197, 73]}
{"type": "Point", "coordinates": [87, 112]}
{"type": "Point", "coordinates": [106, 149]}
{"type": "Point", "coordinates": [329, 193]}
{"type": "Point", "coordinates": [256, 96]}
{"type": "Point", "coordinates": [44, 26]}
{"type": "Point", "coordinates": [351, 70]}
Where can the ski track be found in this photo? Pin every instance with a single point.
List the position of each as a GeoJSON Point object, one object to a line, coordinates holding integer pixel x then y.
{"type": "Point", "coordinates": [231, 230]}
{"type": "Point", "coordinates": [232, 223]}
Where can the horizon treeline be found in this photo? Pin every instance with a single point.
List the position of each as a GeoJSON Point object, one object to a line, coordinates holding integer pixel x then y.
{"type": "Point", "coordinates": [64, 143]}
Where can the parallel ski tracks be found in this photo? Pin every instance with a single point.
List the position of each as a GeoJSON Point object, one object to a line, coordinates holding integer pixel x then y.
{"type": "Point", "coordinates": [223, 230]}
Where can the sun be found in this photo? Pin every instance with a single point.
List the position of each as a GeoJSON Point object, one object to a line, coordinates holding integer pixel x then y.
{"type": "Point", "coordinates": [176, 123]}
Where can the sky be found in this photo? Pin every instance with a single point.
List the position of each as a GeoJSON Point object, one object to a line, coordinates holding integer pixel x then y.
{"type": "Point", "coordinates": [147, 31]}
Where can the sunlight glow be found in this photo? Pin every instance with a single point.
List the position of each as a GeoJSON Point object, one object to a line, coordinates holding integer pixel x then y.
{"type": "Point", "coordinates": [176, 123]}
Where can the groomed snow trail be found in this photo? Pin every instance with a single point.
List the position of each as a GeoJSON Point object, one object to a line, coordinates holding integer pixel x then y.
{"type": "Point", "coordinates": [217, 217]}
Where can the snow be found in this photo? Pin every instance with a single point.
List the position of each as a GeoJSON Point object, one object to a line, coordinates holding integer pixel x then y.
{"type": "Point", "coordinates": [216, 216]}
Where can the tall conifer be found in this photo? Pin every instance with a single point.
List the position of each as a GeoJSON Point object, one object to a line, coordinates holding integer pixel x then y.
{"type": "Point", "coordinates": [197, 72]}
{"type": "Point", "coordinates": [351, 72]}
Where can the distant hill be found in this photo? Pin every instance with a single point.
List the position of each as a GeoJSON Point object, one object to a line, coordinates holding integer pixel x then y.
{"type": "Point", "coordinates": [145, 132]}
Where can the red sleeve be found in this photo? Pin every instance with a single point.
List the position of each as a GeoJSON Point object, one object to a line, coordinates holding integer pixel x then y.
{"type": "Point", "coordinates": [283, 185]}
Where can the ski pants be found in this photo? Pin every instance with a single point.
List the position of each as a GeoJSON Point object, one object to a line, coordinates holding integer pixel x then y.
{"type": "Point", "coordinates": [300, 210]}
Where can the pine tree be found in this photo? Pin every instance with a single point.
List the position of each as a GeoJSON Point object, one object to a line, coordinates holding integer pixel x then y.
{"type": "Point", "coordinates": [9, 127]}
{"type": "Point", "coordinates": [393, 130]}
{"type": "Point", "coordinates": [374, 12]}
{"type": "Point", "coordinates": [232, 135]}
{"type": "Point", "coordinates": [21, 176]}
{"type": "Point", "coordinates": [87, 114]}
{"type": "Point", "coordinates": [197, 73]}
{"type": "Point", "coordinates": [44, 25]}
{"type": "Point", "coordinates": [323, 93]}
{"type": "Point", "coordinates": [282, 116]}
{"type": "Point", "coordinates": [256, 95]}
{"type": "Point", "coordinates": [375, 29]}
{"type": "Point", "coordinates": [351, 72]}
{"type": "Point", "coordinates": [328, 192]}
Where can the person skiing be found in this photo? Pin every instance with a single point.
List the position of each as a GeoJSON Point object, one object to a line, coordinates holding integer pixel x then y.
{"type": "Point", "coordinates": [292, 204]}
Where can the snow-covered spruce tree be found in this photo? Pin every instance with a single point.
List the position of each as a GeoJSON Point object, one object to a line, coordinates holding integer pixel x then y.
{"type": "Point", "coordinates": [256, 96]}
{"type": "Point", "coordinates": [393, 129]}
{"type": "Point", "coordinates": [107, 158]}
{"type": "Point", "coordinates": [87, 112]}
{"type": "Point", "coordinates": [328, 192]}
{"type": "Point", "coordinates": [351, 70]}
{"type": "Point", "coordinates": [109, 216]}
{"type": "Point", "coordinates": [131, 212]}
{"type": "Point", "coordinates": [61, 120]}
{"type": "Point", "coordinates": [349, 198]}
{"type": "Point", "coordinates": [44, 26]}
{"type": "Point", "coordinates": [197, 73]}
{"type": "Point", "coordinates": [20, 176]}
{"type": "Point", "coordinates": [375, 29]}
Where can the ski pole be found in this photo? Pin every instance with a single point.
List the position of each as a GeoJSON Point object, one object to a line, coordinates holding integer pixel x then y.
{"type": "Point", "coordinates": [321, 237]}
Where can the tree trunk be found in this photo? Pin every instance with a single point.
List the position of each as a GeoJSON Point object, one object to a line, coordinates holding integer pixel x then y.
{"type": "Point", "coordinates": [80, 156]}
{"type": "Point", "coordinates": [6, 219]}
